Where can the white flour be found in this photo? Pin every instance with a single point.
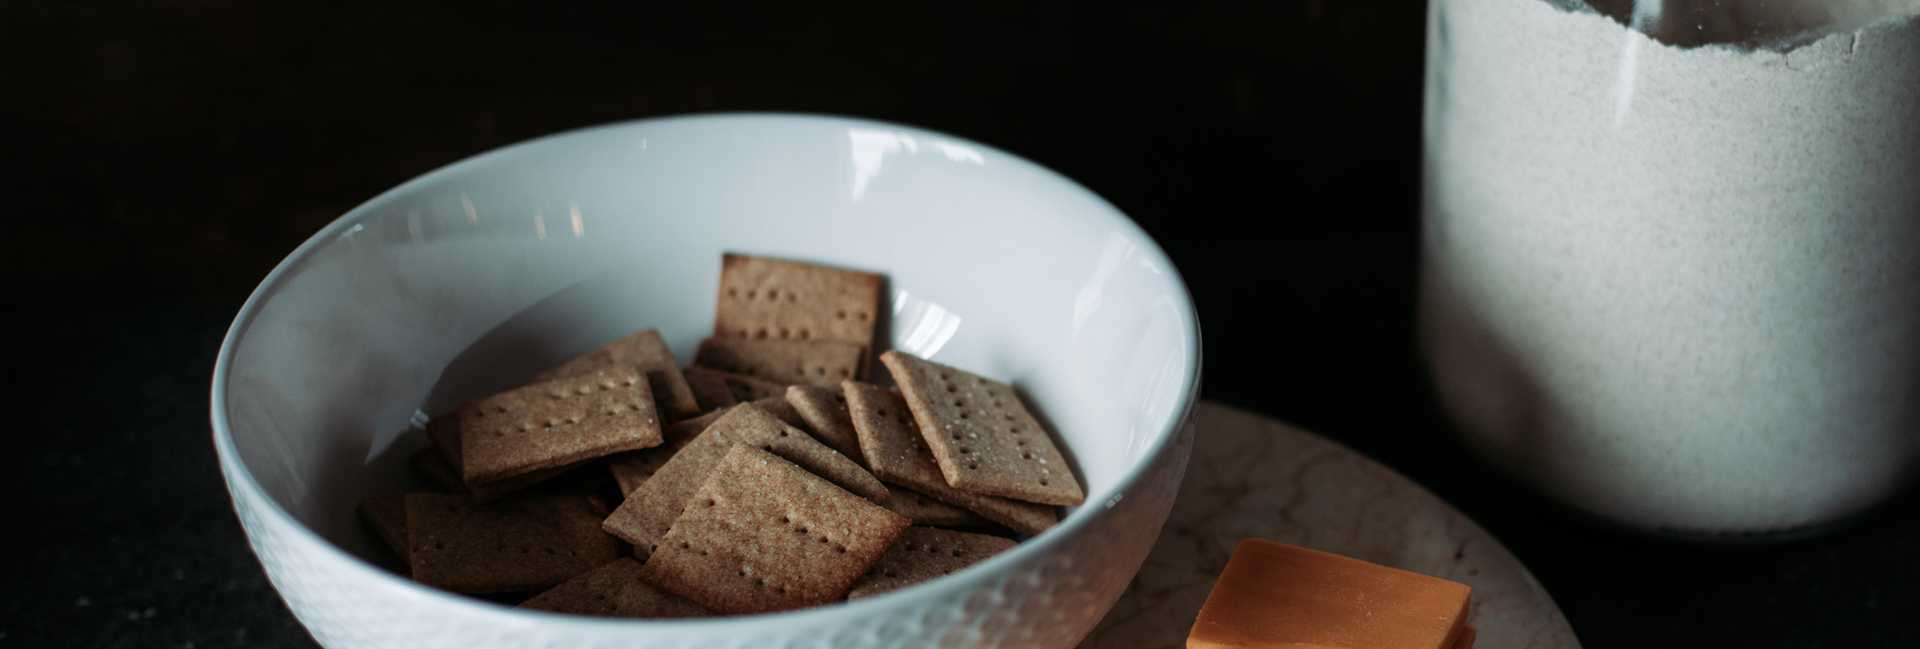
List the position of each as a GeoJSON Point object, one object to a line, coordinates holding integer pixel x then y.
{"type": "Point", "coordinates": [1677, 287]}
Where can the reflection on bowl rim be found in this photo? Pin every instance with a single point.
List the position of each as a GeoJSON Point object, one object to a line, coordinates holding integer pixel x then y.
{"type": "Point", "coordinates": [242, 478]}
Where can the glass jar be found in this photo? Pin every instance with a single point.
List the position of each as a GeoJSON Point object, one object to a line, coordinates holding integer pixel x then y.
{"type": "Point", "coordinates": [1671, 254]}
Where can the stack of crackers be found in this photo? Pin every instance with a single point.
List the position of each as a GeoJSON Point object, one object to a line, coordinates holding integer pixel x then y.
{"type": "Point", "coordinates": [775, 472]}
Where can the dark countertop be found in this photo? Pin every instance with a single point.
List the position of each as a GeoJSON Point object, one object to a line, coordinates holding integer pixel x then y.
{"type": "Point", "coordinates": [173, 156]}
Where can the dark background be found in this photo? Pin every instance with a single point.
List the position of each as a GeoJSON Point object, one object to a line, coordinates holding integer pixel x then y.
{"type": "Point", "coordinates": [172, 155]}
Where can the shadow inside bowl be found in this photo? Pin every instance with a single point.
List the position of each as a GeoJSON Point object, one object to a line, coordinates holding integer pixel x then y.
{"type": "Point", "coordinates": [568, 323]}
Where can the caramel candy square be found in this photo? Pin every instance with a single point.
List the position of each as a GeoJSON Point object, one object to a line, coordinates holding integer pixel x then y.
{"type": "Point", "coordinates": [1274, 595]}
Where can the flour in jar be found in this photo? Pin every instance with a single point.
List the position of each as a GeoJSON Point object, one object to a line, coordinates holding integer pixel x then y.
{"type": "Point", "coordinates": [1670, 279]}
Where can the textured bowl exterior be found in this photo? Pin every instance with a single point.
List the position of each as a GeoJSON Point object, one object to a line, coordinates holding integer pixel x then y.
{"type": "Point", "coordinates": [469, 278]}
{"type": "Point", "coordinates": [1050, 600]}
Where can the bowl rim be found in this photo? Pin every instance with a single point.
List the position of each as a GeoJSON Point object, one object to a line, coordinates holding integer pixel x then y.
{"type": "Point", "coordinates": [239, 477]}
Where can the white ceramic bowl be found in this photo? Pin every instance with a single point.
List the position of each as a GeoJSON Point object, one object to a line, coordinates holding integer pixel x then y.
{"type": "Point", "coordinates": [462, 281]}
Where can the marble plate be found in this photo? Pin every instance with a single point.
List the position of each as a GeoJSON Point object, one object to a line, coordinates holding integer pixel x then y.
{"type": "Point", "coordinates": [1253, 476]}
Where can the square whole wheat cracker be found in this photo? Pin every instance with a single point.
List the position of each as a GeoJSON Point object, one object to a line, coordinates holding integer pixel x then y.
{"type": "Point", "coordinates": [556, 424]}
{"type": "Point", "coordinates": [716, 389]}
{"type": "Point", "coordinates": [634, 467]}
{"type": "Point", "coordinates": [650, 509]}
{"type": "Point", "coordinates": [925, 554]}
{"type": "Point", "coordinates": [825, 411]}
{"type": "Point", "coordinates": [442, 466]}
{"type": "Point", "coordinates": [386, 515]}
{"type": "Point", "coordinates": [981, 434]}
{"type": "Point", "coordinates": [645, 351]}
{"type": "Point", "coordinates": [763, 534]}
{"type": "Point", "coordinates": [896, 451]}
{"type": "Point", "coordinates": [614, 590]}
{"type": "Point", "coordinates": [432, 465]}
{"type": "Point", "coordinates": [788, 362]}
{"type": "Point", "coordinates": [923, 510]}
{"type": "Point", "coordinates": [529, 542]}
{"type": "Point", "coordinates": [774, 299]}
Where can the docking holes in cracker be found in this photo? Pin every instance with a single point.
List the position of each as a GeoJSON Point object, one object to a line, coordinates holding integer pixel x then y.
{"type": "Point", "coordinates": [556, 423]}
{"type": "Point", "coordinates": [787, 362]}
{"type": "Point", "coordinates": [652, 507]}
{"type": "Point", "coordinates": [981, 434]}
{"type": "Point", "coordinates": [762, 534]}
{"type": "Point", "coordinates": [895, 450]}
{"type": "Point", "coordinates": [643, 351]}
{"type": "Point", "coordinates": [774, 299]}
